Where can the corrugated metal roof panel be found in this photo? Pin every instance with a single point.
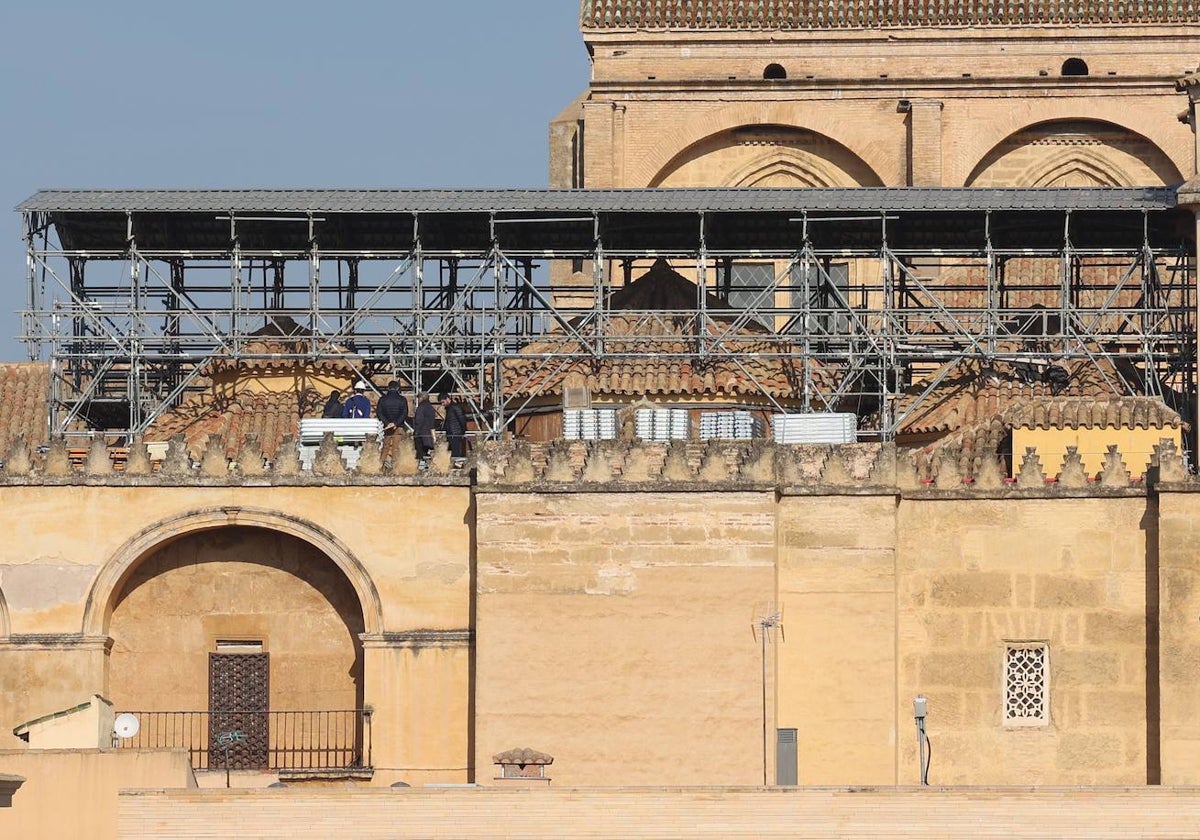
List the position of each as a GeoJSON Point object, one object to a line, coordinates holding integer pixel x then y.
{"type": "Point", "coordinates": [605, 201]}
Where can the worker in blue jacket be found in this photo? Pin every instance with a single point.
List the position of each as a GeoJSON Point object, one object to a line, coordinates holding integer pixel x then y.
{"type": "Point", "coordinates": [358, 406]}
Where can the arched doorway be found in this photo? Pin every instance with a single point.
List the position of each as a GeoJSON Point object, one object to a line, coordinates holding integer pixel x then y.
{"type": "Point", "coordinates": [241, 629]}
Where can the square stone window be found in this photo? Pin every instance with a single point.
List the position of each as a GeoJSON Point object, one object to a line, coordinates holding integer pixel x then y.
{"type": "Point", "coordinates": [1026, 684]}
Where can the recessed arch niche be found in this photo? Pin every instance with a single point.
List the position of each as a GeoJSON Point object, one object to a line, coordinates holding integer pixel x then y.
{"type": "Point", "coordinates": [235, 585]}
{"type": "Point", "coordinates": [766, 156]}
{"type": "Point", "coordinates": [1074, 153]}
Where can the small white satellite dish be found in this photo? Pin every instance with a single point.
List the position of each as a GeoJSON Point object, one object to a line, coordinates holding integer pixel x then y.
{"type": "Point", "coordinates": [126, 725]}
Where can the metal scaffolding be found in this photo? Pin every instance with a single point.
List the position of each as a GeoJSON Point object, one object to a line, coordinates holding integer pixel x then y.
{"type": "Point", "coordinates": [872, 295]}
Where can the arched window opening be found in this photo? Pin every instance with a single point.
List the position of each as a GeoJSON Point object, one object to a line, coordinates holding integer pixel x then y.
{"type": "Point", "coordinates": [774, 71]}
{"type": "Point", "coordinates": [1074, 67]}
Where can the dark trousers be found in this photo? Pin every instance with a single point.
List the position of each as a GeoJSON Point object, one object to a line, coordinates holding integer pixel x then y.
{"type": "Point", "coordinates": [458, 445]}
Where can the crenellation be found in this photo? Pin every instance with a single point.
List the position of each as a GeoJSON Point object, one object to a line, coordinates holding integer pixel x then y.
{"type": "Point", "coordinates": [138, 462]}
{"type": "Point", "coordinates": [328, 461]}
{"type": "Point", "coordinates": [948, 475]}
{"type": "Point", "coordinates": [178, 462]}
{"type": "Point", "coordinates": [1114, 473]}
{"type": "Point", "coordinates": [251, 462]}
{"type": "Point", "coordinates": [611, 466]}
{"type": "Point", "coordinates": [1031, 475]}
{"type": "Point", "coordinates": [287, 458]}
{"type": "Point", "coordinates": [1073, 474]}
{"type": "Point", "coordinates": [213, 462]}
{"type": "Point", "coordinates": [18, 461]}
{"type": "Point", "coordinates": [98, 463]}
{"type": "Point", "coordinates": [370, 458]}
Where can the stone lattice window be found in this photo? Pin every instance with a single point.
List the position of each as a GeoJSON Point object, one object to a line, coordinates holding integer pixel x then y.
{"type": "Point", "coordinates": [1026, 684]}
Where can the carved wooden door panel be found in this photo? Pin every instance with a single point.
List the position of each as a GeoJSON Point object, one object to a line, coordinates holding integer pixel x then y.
{"type": "Point", "coordinates": [238, 701]}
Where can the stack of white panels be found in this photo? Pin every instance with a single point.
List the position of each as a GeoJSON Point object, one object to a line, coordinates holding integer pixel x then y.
{"type": "Point", "coordinates": [661, 423]}
{"type": "Point", "coordinates": [344, 430]}
{"type": "Point", "coordinates": [590, 423]}
{"type": "Point", "coordinates": [730, 425]}
{"type": "Point", "coordinates": [825, 427]}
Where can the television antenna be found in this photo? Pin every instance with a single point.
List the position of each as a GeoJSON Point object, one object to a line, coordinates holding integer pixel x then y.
{"type": "Point", "coordinates": [767, 621]}
{"type": "Point", "coordinates": [226, 741]}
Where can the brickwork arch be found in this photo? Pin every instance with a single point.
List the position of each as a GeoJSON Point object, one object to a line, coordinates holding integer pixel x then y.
{"type": "Point", "coordinates": [1073, 152]}
{"type": "Point", "coordinates": [112, 577]}
{"type": "Point", "coordinates": [673, 146]}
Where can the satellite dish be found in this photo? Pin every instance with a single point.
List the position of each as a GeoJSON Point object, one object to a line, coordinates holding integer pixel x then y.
{"type": "Point", "coordinates": [126, 725]}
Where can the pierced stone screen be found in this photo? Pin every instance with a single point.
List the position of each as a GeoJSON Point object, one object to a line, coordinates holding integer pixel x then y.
{"type": "Point", "coordinates": [1026, 699]}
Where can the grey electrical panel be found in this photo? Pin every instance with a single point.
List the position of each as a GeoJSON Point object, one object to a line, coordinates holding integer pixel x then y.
{"type": "Point", "coordinates": [785, 757]}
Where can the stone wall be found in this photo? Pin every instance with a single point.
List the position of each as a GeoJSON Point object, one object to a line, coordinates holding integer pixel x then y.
{"type": "Point", "coordinates": [941, 107]}
{"type": "Point", "coordinates": [599, 602]}
{"type": "Point", "coordinates": [986, 813]}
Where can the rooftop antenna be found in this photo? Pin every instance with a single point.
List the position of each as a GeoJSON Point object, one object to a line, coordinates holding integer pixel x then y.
{"type": "Point", "coordinates": [768, 618]}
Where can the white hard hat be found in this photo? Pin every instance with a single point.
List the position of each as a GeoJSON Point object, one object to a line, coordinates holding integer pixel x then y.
{"type": "Point", "coordinates": [360, 386]}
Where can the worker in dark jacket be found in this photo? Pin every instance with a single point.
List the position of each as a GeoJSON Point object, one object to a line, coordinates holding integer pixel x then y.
{"type": "Point", "coordinates": [392, 408]}
{"type": "Point", "coordinates": [357, 407]}
{"type": "Point", "coordinates": [454, 424]}
{"type": "Point", "coordinates": [424, 419]}
{"type": "Point", "coordinates": [333, 406]}
{"type": "Point", "coordinates": [392, 411]}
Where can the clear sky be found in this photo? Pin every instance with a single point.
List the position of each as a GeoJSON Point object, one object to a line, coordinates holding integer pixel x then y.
{"type": "Point", "coordinates": [268, 93]}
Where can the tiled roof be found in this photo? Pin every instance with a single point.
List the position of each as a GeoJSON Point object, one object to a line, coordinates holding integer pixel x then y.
{"type": "Point", "coordinates": [270, 416]}
{"type": "Point", "coordinates": [983, 437]}
{"type": "Point", "coordinates": [974, 390]}
{"type": "Point", "coordinates": [854, 14]}
{"type": "Point", "coordinates": [24, 396]}
{"type": "Point", "coordinates": [662, 352]}
{"type": "Point", "coordinates": [674, 369]}
{"type": "Point", "coordinates": [284, 339]}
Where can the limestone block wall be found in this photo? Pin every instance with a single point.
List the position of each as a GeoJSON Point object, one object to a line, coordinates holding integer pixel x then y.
{"type": "Point", "coordinates": [614, 633]}
{"type": "Point", "coordinates": [974, 576]}
{"type": "Point", "coordinates": [1178, 643]}
{"type": "Point", "coordinates": [837, 659]}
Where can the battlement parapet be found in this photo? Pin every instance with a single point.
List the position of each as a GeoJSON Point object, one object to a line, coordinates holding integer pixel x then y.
{"type": "Point", "coordinates": [604, 466]}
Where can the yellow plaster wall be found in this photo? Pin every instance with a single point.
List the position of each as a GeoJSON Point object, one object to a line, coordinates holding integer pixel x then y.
{"type": "Point", "coordinates": [1135, 445]}
{"type": "Point", "coordinates": [73, 794]}
{"type": "Point", "coordinates": [413, 543]}
{"type": "Point", "coordinates": [972, 575]}
{"type": "Point", "coordinates": [614, 633]}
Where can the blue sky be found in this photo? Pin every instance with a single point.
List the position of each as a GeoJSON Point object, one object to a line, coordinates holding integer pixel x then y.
{"type": "Point", "coordinates": [266, 93]}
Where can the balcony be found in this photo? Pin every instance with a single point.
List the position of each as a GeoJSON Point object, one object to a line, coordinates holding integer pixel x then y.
{"type": "Point", "coordinates": [295, 744]}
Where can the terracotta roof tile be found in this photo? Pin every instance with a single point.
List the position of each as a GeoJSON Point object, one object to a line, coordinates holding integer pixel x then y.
{"type": "Point", "coordinates": [24, 403]}
{"type": "Point", "coordinates": [984, 436]}
{"type": "Point", "coordinates": [663, 350]}
{"type": "Point", "coordinates": [269, 416]}
{"type": "Point", "coordinates": [857, 14]}
{"type": "Point", "coordinates": [973, 390]}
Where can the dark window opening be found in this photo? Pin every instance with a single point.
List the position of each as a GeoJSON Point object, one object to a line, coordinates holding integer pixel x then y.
{"type": "Point", "coordinates": [1074, 67]}
{"type": "Point", "coordinates": [774, 71]}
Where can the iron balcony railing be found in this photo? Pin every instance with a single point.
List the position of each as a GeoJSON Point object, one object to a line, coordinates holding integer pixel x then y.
{"type": "Point", "coordinates": [257, 740]}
